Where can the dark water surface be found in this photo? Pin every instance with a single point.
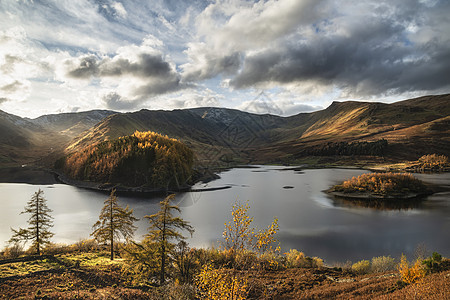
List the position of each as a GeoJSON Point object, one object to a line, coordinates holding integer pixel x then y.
{"type": "Point", "coordinates": [309, 219]}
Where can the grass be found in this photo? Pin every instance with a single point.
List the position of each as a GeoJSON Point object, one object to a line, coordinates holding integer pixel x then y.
{"type": "Point", "coordinates": [91, 275]}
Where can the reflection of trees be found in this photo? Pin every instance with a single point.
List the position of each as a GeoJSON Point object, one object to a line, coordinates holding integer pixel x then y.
{"type": "Point", "coordinates": [379, 204]}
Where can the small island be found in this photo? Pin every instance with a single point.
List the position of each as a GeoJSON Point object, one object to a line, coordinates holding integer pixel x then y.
{"type": "Point", "coordinates": [381, 186]}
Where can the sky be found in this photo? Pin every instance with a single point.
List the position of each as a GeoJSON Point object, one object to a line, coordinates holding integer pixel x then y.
{"type": "Point", "coordinates": [274, 56]}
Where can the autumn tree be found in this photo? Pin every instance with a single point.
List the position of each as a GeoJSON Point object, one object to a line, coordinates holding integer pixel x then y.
{"type": "Point", "coordinates": [40, 222]}
{"type": "Point", "coordinates": [114, 222]}
{"type": "Point", "coordinates": [155, 254]}
{"type": "Point", "coordinates": [240, 237]}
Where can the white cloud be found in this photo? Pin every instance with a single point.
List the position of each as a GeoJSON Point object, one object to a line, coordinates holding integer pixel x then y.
{"type": "Point", "coordinates": [171, 54]}
{"type": "Point", "coordinates": [120, 10]}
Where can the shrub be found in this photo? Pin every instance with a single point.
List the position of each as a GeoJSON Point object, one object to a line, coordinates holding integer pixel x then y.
{"type": "Point", "coordinates": [13, 251]}
{"type": "Point", "coordinates": [53, 249]}
{"type": "Point", "coordinates": [410, 274]}
{"type": "Point", "coordinates": [270, 261]}
{"type": "Point", "coordinates": [433, 161]}
{"type": "Point", "coordinates": [383, 264]}
{"type": "Point", "coordinates": [297, 259]}
{"type": "Point", "coordinates": [433, 263]}
{"type": "Point", "coordinates": [361, 267]}
{"type": "Point", "coordinates": [216, 284]}
{"type": "Point", "coordinates": [86, 245]}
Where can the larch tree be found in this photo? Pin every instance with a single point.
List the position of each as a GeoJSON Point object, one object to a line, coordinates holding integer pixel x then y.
{"type": "Point", "coordinates": [163, 232]}
{"type": "Point", "coordinates": [114, 222]}
{"type": "Point", "coordinates": [40, 222]}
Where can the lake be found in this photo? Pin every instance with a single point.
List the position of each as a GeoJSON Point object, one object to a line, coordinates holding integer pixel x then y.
{"type": "Point", "coordinates": [309, 219]}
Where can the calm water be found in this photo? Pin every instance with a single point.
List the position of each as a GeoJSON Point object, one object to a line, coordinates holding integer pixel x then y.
{"type": "Point", "coordinates": [309, 219]}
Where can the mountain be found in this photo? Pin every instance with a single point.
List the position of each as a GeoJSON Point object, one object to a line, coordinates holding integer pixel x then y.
{"type": "Point", "coordinates": [24, 140]}
{"type": "Point", "coordinates": [412, 128]}
{"type": "Point", "coordinates": [71, 124]}
{"type": "Point", "coordinates": [227, 136]}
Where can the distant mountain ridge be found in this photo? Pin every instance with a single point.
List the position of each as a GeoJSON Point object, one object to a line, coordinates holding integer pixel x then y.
{"type": "Point", "coordinates": [412, 128]}
{"type": "Point", "coordinates": [24, 140]}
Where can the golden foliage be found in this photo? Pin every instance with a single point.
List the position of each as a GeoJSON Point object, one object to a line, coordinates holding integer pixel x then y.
{"type": "Point", "coordinates": [410, 274]}
{"type": "Point", "coordinates": [361, 267]}
{"type": "Point", "coordinates": [221, 284]}
{"type": "Point", "coordinates": [143, 158]}
{"type": "Point", "coordinates": [238, 233]}
{"type": "Point", "coordinates": [382, 184]}
{"type": "Point", "coordinates": [433, 160]}
{"type": "Point", "coordinates": [297, 259]}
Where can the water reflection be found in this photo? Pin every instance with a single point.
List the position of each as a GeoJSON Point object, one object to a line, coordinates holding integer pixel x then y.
{"type": "Point", "coordinates": [391, 204]}
{"type": "Point", "coordinates": [309, 219]}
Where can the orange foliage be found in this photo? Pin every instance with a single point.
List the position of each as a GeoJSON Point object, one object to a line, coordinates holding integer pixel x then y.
{"type": "Point", "coordinates": [143, 158]}
{"type": "Point", "coordinates": [382, 184]}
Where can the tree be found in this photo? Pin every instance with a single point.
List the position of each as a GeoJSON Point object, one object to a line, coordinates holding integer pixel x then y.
{"type": "Point", "coordinates": [164, 229]}
{"type": "Point", "coordinates": [39, 222]}
{"type": "Point", "coordinates": [114, 222]}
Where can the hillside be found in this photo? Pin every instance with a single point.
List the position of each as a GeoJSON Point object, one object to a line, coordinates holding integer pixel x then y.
{"type": "Point", "coordinates": [412, 128]}
{"type": "Point", "coordinates": [226, 137]}
{"type": "Point", "coordinates": [34, 141]}
{"type": "Point", "coordinates": [143, 159]}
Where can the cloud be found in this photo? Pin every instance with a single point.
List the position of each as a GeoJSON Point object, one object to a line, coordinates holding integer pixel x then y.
{"type": "Point", "coordinates": [116, 102]}
{"type": "Point", "coordinates": [229, 30]}
{"type": "Point", "coordinates": [120, 10]}
{"type": "Point", "coordinates": [12, 87]}
{"type": "Point", "coordinates": [363, 49]}
{"type": "Point", "coordinates": [2, 100]}
{"type": "Point", "coordinates": [137, 71]}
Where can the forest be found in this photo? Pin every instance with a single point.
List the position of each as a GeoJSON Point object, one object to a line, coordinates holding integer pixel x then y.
{"type": "Point", "coordinates": [377, 148]}
{"type": "Point", "coordinates": [142, 159]}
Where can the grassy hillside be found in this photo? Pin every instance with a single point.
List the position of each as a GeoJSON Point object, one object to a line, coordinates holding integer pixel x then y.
{"type": "Point", "coordinates": [226, 137]}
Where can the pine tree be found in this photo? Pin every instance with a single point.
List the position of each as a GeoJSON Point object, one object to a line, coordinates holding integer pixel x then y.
{"type": "Point", "coordinates": [164, 229]}
{"type": "Point", "coordinates": [114, 222]}
{"type": "Point", "coordinates": [39, 222]}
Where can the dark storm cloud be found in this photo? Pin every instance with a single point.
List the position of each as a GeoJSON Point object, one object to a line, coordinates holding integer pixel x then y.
{"type": "Point", "coordinates": [362, 56]}
{"type": "Point", "coordinates": [147, 66]}
{"type": "Point", "coordinates": [157, 75]}
{"type": "Point", "coordinates": [215, 65]}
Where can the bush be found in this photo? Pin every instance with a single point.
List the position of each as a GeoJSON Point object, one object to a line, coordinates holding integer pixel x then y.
{"type": "Point", "coordinates": [361, 267]}
{"type": "Point", "coordinates": [410, 274]}
{"type": "Point", "coordinates": [13, 251]}
{"type": "Point", "coordinates": [433, 161]}
{"type": "Point", "coordinates": [86, 245]}
{"type": "Point", "coordinates": [297, 259]}
{"type": "Point", "coordinates": [383, 264]}
{"type": "Point", "coordinates": [433, 263]}
{"type": "Point", "coordinates": [53, 249]}
{"type": "Point", "coordinates": [217, 284]}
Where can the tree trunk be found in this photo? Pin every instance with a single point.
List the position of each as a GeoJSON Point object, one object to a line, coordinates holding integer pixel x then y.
{"type": "Point", "coordinates": [38, 250]}
{"type": "Point", "coordinates": [111, 231]}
